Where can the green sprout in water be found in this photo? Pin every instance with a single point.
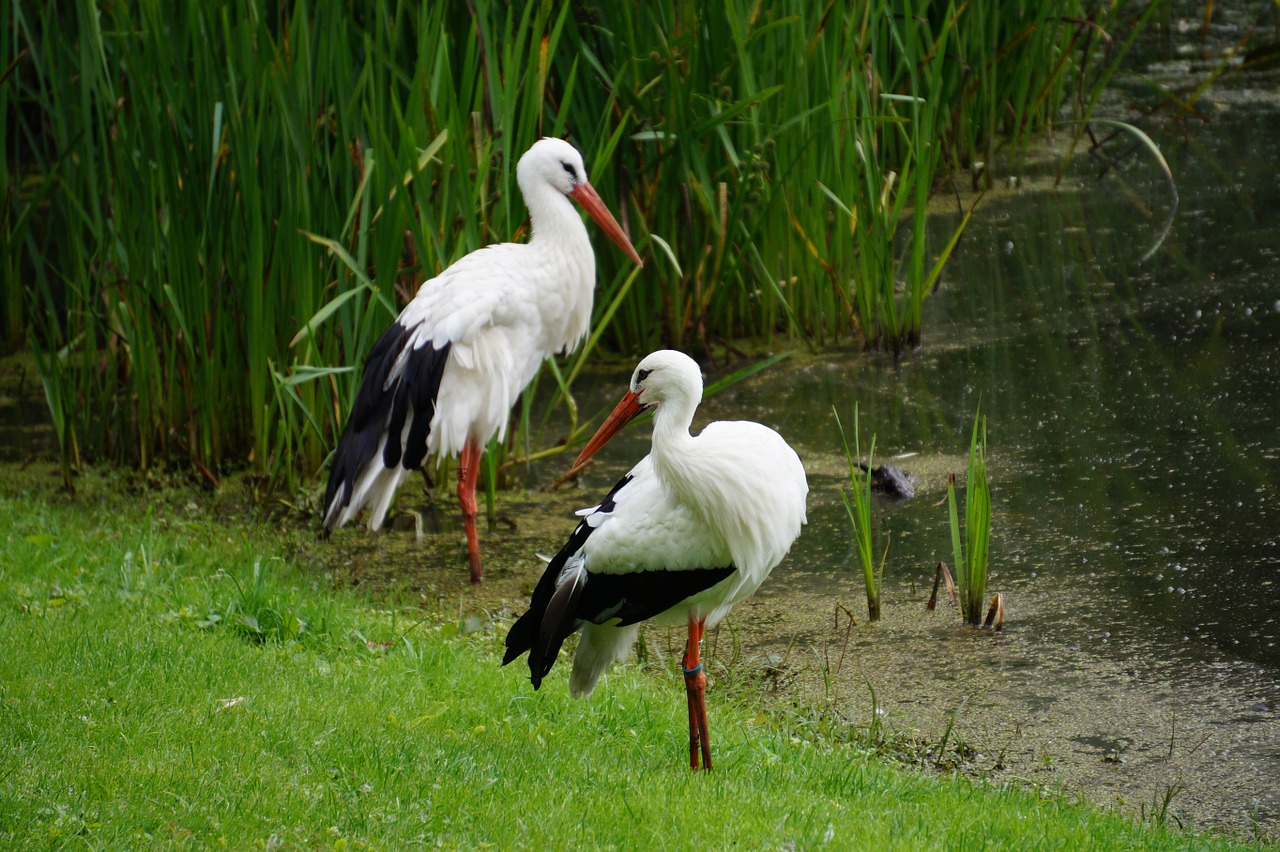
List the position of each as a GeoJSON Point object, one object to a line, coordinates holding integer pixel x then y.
{"type": "Point", "coordinates": [971, 560]}
{"type": "Point", "coordinates": [859, 509]}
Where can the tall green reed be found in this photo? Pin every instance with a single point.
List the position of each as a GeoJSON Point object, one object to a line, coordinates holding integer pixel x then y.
{"type": "Point", "coordinates": [859, 509]}
{"type": "Point", "coordinates": [218, 206]}
{"type": "Point", "coordinates": [13, 222]}
{"type": "Point", "coordinates": [971, 558]}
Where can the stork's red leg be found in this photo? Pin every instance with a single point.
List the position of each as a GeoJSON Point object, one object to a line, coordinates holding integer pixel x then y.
{"type": "Point", "coordinates": [695, 684]}
{"type": "Point", "coordinates": [702, 709]}
{"type": "Point", "coordinates": [468, 473]}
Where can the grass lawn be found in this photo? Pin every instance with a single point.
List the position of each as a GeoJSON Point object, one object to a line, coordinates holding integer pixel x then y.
{"type": "Point", "coordinates": [168, 678]}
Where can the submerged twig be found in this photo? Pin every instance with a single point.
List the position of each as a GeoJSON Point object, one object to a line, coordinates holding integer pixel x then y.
{"type": "Point", "coordinates": [942, 573]}
{"type": "Point", "coordinates": [995, 613]}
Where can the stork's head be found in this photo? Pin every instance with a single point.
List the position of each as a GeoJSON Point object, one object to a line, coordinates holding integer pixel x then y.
{"type": "Point", "coordinates": [552, 161]}
{"type": "Point", "coordinates": [556, 163]}
{"type": "Point", "coordinates": [665, 378]}
{"type": "Point", "coordinates": [667, 375]}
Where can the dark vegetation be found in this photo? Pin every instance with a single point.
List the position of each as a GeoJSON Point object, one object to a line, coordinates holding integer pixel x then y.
{"type": "Point", "coordinates": [211, 210]}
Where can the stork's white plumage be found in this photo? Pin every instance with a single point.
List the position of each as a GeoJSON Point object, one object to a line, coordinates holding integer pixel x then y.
{"type": "Point", "coordinates": [694, 528]}
{"type": "Point", "coordinates": [442, 379]}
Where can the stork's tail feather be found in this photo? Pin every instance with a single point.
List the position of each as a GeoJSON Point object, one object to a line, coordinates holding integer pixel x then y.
{"type": "Point", "coordinates": [601, 646]}
{"type": "Point", "coordinates": [559, 620]}
{"type": "Point", "coordinates": [387, 431]}
{"type": "Point", "coordinates": [343, 472]}
{"type": "Point", "coordinates": [551, 617]}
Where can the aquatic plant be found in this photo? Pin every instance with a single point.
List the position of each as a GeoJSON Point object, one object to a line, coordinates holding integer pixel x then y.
{"type": "Point", "coordinates": [881, 279]}
{"type": "Point", "coordinates": [971, 559]}
{"type": "Point", "coordinates": [859, 509]}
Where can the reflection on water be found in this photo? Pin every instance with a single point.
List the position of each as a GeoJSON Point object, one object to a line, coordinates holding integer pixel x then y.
{"type": "Point", "coordinates": [1134, 432]}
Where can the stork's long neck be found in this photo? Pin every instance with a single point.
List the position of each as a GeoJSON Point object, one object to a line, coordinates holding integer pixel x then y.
{"type": "Point", "coordinates": [554, 222]}
{"type": "Point", "coordinates": [675, 452]}
{"type": "Point", "coordinates": [559, 241]}
{"type": "Point", "coordinates": [697, 474]}
{"type": "Point", "coordinates": [672, 443]}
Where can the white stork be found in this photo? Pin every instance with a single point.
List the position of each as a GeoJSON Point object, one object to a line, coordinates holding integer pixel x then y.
{"type": "Point", "coordinates": [441, 381]}
{"type": "Point", "coordinates": [694, 528]}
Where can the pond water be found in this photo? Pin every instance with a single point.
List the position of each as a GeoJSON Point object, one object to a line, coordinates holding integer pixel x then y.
{"type": "Point", "coordinates": [1134, 451]}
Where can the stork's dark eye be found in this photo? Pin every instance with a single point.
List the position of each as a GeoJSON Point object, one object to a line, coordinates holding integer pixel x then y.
{"type": "Point", "coordinates": [642, 375]}
{"type": "Point", "coordinates": [568, 168]}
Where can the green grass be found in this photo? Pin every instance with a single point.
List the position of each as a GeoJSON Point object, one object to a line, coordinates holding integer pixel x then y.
{"type": "Point", "coordinates": [214, 209]}
{"type": "Point", "coordinates": [133, 719]}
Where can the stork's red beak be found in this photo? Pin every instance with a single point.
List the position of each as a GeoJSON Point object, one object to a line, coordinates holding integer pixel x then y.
{"type": "Point", "coordinates": [623, 413]}
{"type": "Point", "coordinates": [586, 195]}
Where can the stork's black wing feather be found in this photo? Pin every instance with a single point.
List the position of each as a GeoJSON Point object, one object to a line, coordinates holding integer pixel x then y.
{"type": "Point", "coordinates": [383, 404]}
{"type": "Point", "coordinates": [641, 595]}
{"type": "Point", "coordinates": [566, 598]}
{"type": "Point", "coordinates": [521, 636]}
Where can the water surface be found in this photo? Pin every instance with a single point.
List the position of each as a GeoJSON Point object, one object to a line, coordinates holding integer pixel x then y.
{"type": "Point", "coordinates": [1134, 434]}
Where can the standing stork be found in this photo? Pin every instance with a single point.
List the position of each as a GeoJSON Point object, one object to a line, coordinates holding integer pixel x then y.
{"type": "Point", "coordinates": [694, 528]}
{"type": "Point", "coordinates": [441, 381]}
